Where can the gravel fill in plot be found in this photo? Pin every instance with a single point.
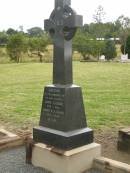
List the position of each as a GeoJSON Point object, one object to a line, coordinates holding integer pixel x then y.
{"type": "Point", "coordinates": [13, 161]}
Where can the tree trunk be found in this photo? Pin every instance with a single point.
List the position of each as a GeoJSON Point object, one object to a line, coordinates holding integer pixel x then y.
{"type": "Point", "coordinates": [40, 58]}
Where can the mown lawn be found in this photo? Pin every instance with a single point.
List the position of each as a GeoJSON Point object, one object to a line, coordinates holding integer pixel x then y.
{"type": "Point", "coordinates": [106, 91]}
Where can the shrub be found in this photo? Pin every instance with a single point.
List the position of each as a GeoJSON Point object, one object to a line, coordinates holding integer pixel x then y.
{"type": "Point", "coordinates": [16, 46]}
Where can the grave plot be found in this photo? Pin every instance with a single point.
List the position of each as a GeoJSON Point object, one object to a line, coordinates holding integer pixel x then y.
{"type": "Point", "coordinates": [63, 142]}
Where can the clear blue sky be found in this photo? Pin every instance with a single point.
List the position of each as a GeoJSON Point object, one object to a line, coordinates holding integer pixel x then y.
{"type": "Point", "coordinates": [29, 13]}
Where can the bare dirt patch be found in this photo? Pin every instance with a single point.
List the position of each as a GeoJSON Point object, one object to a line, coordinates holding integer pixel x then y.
{"type": "Point", "coordinates": [108, 140]}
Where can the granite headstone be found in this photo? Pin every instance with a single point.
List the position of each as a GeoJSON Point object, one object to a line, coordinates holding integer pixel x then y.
{"type": "Point", "coordinates": [63, 120]}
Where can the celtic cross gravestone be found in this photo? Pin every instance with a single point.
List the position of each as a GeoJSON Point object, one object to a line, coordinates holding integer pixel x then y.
{"type": "Point", "coordinates": [63, 121]}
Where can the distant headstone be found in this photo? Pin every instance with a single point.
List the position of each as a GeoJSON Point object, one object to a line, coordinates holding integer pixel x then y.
{"type": "Point", "coordinates": [63, 120]}
{"type": "Point", "coordinates": [124, 58]}
{"type": "Point", "coordinates": [102, 58]}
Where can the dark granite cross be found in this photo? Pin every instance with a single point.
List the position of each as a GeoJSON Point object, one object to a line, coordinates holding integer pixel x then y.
{"type": "Point", "coordinates": [62, 26]}
{"type": "Point", "coordinates": [63, 121]}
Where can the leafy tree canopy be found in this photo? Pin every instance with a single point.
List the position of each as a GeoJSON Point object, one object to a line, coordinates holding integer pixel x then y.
{"type": "Point", "coordinates": [35, 32]}
{"type": "Point", "coordinates": [17, 44]}
{"type": "Point", "coordinates": [110, 50]}
{"type": "Point", "coordinates": [127, 48]}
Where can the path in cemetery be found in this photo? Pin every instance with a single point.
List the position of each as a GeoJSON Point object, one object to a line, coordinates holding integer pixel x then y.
{"type": "Point", "coordinates": [13, 161]}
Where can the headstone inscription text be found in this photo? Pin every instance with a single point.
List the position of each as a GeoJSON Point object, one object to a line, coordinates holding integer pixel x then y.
{"type": "Point", "coordinates": [54, 104]}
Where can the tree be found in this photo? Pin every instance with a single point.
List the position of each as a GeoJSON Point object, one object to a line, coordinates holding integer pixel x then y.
{"type": "Point", "coordinates": [97, 48]}
{"type": "Point", "coordinates": [35, 32]}
{"type": "Point", "coordinates": [11, 31]}
{"type": "Point", "coordinates": [124, 23]}
{"type": "Point", "coordinates": [38, 44]}
{"type": "Point", "coordinates": [16, 46]}
{"type": "Point", "coordinates": [127, 48]}
{"type": "Point", "coordinates": [88, 46]}
{"type": "Point", "coordinates": [101, 30]}
{"type": "Point", "coordinates": [110, 50]}
{"type": "Point", "coordinates": [21, 28]}
{"type": "Point", "coordinates": [3, 38]}
{"type": "Point", "coordinates": [98, 26]}
{"type": "Point", "coordinates": [81, 43]}
{"type": "Point", "coordinates": [99, 15]}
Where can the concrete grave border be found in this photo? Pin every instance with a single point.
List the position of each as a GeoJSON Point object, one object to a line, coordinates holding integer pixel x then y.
{"type": "Point", "coordinates": [110, 166]}
{"type": "Point", "coordinates": [10, 140]}
{"type": "Point", "coordinates": [123, 143]}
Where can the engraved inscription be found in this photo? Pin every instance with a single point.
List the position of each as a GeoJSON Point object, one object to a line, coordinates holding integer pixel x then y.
{"type": "Point", "coordinates": [54, 104]}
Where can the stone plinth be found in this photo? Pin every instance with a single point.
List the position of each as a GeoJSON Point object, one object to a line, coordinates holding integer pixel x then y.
{"type": "Point", "coordinates": [124, 140]}
{"type": "Point", "coordinates": [63, 140]}
{"type": "Point", "coordinates": [77, 160]}
{"type": "Point", "coordinates": [63, 120]}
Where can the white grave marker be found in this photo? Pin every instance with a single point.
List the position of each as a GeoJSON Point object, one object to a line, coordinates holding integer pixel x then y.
{"type": "Point", "coordinates": [102, 58]}
{"type": "Point", "coordinates": [124, 58]}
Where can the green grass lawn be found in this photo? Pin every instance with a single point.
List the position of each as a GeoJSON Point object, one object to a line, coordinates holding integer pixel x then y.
{"type": "Point", "coordinates": [106, 91]}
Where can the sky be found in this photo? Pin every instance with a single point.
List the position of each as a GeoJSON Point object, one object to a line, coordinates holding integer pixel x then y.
{"type": "Point", "coordinates": [30, 13]}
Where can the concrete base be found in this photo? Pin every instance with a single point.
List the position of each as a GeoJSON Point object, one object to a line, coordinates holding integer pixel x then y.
{"type": "Point", "coordinates": [58, 161]}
